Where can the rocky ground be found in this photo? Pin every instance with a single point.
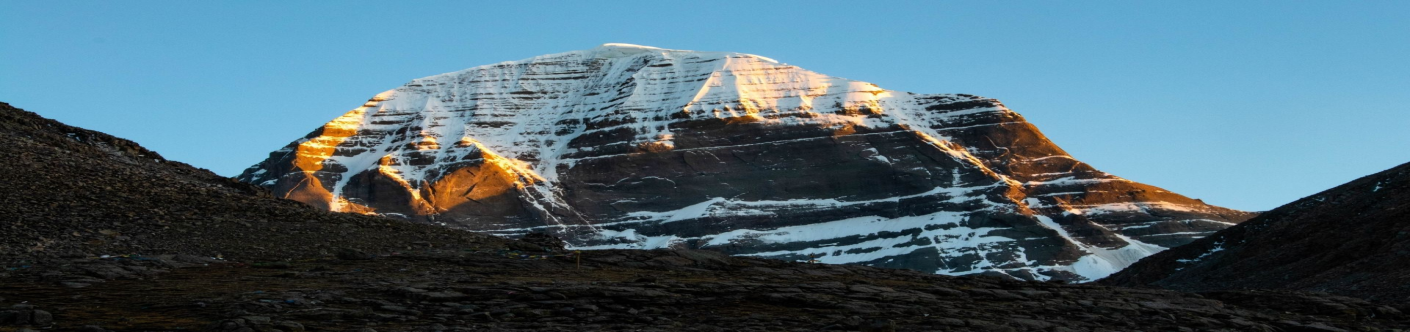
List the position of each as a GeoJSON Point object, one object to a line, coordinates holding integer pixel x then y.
{"type": "Point", "coordinates": [97, 233]}
{"type": "Point", "coordinates": [491, 289]}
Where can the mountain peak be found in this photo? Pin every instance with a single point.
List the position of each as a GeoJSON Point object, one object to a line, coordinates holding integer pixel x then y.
{"type": "Point", "coordinates": [617, 50]}
{"type": "Point", "coordinates": [628, 146]}
{"type": "Point", "coordinates": [626, 45]}
{"type": "Point", "coordinates": [620, 50]}
{"type": "Point", "coordinates": [630, 46]}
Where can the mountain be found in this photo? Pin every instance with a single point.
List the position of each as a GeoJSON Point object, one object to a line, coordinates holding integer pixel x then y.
{"type": "Point", "coordinates": [101, 234]}
{"type": "Point", "coordinates": [1352, 240]}
{"type": "Point", "coordinates": [626, 146]}
{"type": "Point", "coordinates": [73, 193]}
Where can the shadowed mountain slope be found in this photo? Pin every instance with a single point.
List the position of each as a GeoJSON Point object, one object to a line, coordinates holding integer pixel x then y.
{"type": "Point", "coordinates": [1353, 240]}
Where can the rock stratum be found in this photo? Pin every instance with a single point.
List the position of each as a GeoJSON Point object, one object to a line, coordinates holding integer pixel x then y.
{"type": "Point", "coordinates": [625, 146]}
{"type": "Point", "coordinates": [1350, 240]}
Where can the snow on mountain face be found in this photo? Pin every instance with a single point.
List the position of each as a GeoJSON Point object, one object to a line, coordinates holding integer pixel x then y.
{"type": "Point", "coordinates": [625, 146]}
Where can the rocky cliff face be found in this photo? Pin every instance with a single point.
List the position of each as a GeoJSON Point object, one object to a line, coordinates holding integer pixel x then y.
{"type": "Point", "coordinates": [1352, 240]}
{"type": "Point", "coordinates": [625, 146]}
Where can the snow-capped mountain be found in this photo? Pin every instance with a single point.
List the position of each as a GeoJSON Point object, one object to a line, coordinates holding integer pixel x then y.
{"type": "Point", "coordinates": [625, 146]}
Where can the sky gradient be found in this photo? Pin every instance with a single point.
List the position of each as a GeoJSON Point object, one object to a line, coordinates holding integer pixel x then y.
{"type": "Point", "coordinates": [1247, 105]}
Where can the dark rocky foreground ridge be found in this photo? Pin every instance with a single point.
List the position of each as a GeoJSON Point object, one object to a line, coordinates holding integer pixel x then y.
{"type": "Point", "coordinates": [1352, 240]}
{"type": "Point", "coordinates": [73, 195]}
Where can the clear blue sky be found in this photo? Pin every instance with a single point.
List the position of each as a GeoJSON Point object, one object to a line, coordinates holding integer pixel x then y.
{"type": "Point", "coordinates": [1247, 105]}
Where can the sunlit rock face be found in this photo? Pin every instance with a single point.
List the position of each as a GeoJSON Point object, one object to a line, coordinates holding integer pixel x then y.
{"type": "Point", "coordinates": [625, 146]}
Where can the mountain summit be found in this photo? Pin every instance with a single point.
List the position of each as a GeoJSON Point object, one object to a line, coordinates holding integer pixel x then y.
{"type": "Point", "coordinates": [627, 146]}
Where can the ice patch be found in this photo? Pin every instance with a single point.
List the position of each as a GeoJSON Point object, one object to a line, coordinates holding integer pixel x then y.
{"type": "Point", "coordinates": [1102, 262]}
